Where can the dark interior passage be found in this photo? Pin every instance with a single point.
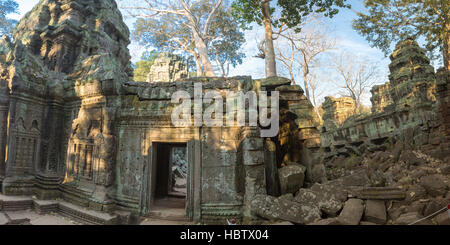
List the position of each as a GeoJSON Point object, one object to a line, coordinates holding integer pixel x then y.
{"type": "Point", "coordinates": [171, 171]}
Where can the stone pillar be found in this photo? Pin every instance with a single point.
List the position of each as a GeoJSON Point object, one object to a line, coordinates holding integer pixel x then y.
{"type": "Point", "coordinates": [51, 161]}
{"type": "Point", "coordinates": [4, 109]}
{"type": "Point", "coordinates": [253, 160]}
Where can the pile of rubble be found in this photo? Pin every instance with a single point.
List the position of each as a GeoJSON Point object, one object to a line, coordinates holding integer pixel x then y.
{"type": "Point", "coordinates": [397, 187]}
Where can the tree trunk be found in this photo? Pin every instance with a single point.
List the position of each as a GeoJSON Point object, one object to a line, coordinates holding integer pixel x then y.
{"type": "Point", "coordinates": [446, 50]}
{"type": "Point", "coordinates": [271, 65]}
{"type": "Point", "coordinates": [202, 50]}
{"type": "Point", "coordinates": [316, 109]}
{"type": "Point", "coordinates": [291, 73]}
{"type": "Point", "coordinates": [305, 81]}
{"type": "Point", "coordinates": [198, 64]}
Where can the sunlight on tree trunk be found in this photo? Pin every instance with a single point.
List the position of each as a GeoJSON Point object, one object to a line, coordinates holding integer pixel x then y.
{"type": "Point", "coordinates": [271, 65]}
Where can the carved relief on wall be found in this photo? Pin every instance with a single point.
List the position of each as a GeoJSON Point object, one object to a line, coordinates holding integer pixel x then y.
{"type": "Point", "coordinates": [91, 148]}
{"type": "Point", "coordinates": [82, 150]}
{"type": "Point", "coordinates": [27, 145]}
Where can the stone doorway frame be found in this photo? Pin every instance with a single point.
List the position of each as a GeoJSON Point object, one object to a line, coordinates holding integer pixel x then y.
{"type": "Point", "coordinates": [193, 195]}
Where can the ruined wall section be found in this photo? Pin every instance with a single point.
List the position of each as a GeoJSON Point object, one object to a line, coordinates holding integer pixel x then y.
{"type": "Point", "coordinates": [168, 68]}
{"type": "Point", "coordinates": [226, 164]}
{"type": "Point", "coordinates": [404, 110]}
{"type": "Point", "coordinates": [381, 98]}
{"type": "Point", "coordinates": [337, 111]}
{"type": "Point", "coordinates": [65, 71]}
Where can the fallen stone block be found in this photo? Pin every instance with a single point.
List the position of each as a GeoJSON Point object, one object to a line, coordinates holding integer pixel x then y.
{"type": "Point", "coordinates": [352, 212]}
{"type": "Point", "coordinates": [272, 208]}
{"type": "Point", "coordinates": [443, 219]}
{"type": "Point", "coordinates": [375, 212]}
{"type": "Point", "coordinates": [326, 201]}
{"type": "Point", "coordinates": [434, 185]}
{"type": "Point", "coordinates": [410, 218]}
{"type": "Point", "coordinates": [379, 193]}
{"type": "Point", "coordinates": [292, 178]}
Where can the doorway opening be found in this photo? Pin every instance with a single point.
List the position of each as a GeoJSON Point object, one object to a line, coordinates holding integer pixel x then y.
{"type": "Point", "coordinates": [171, 175]}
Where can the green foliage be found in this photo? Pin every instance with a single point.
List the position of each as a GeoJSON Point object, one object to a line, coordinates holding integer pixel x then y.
{"type": "Point", "coordinates": [225, 48]}
{"type": "Point", "coordinates": [291, 13]}
{"type": "Point", "coordinates": [172, 33]}
{"type": "Point", "coordinates": [388, 22]}
{"type": "Point", "coordinates": [7, 24]}
{"type": "Point", "coordinates": [144, 65]}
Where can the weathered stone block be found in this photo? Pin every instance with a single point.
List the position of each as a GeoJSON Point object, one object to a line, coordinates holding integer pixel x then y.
{"type": "Point", "coordinates": [375, 212]}
{"type": "Point", "coordinates": [434, 185]}
{"type": "Point", "coordinates": [410, 218]}
{"type": "Point", "coordinates": [253, 158]}
{"type": "Point", "coordinates": [326, 201]}
{"type": "Point", "coordinates": [291, 178]}
{"type": "Point", "coordinates": [271, 208]}
{"type": "Point", "coordinates": [352, 212]}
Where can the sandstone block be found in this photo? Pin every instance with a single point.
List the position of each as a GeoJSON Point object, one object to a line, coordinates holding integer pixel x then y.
{"type": "Point", "coordinates": [434, 185]}
{"type": "Point", "coordinates": [352, 212]}
{"type": "Point", "coordinates": [375, 212]}
{"type": "Point", "coordinates": [292, 178]}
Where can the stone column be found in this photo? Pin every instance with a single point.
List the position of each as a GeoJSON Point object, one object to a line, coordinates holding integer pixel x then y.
{"type": "Point", "coordinates": [4, 109]}
{"type": "Point", "coordinates": [3, 136]}
{"type": "Point", "coordinates": [253, 160]}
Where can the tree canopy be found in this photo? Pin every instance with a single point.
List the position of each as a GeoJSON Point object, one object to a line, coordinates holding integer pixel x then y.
{"type": "Point", "coordinates": [194, 28]}
{"type": "Point", "coordinates": [281, 15]}
{"type": "Point", "coordinates": [388, 22]}
{"type": "Point", "coordinates": [7, 24]}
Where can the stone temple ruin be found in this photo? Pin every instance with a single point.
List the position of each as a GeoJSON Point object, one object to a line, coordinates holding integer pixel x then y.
{"type": "Point", "coordinates": [405, 109]}
{"type": "Point", "coordinates": [168, 68]}
{"type": "Point", "coordinates": [75, 128]}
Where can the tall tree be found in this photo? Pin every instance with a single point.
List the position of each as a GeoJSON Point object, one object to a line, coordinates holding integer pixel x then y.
{"type": "Point", "coordinates": [391, 21]}
{"type": "Point", "coordinates": [185, 13]}
{"type": "Point", "coordinates": [286, 14]}
{"type": "Point", "coordinates": [226, 47]}
{"type": "Point", "coordinates": [302, 51]}
{"type": "Point", "coordinates": [355, 76]}
{"type": "Point", "coordinates": [6, 24]}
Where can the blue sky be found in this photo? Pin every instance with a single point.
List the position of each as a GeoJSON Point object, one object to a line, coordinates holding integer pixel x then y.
{"type": "Point", "coordinates": [347, 39]}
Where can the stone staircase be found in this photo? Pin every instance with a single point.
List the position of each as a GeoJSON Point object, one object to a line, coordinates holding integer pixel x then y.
{"type": "Point", "coordinates": [79, 214]}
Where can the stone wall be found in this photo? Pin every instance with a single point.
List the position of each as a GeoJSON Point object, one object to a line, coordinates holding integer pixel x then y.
{"type": "Point", "coordinates": [337, 111]}
{"type": "Point", "coordinates": [404, 110]}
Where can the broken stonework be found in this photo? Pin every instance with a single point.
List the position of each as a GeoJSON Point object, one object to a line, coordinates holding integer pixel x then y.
{"type": "Point", "coordinates": [337, 111]}
{"type": "Point", "coordinates": [434, 185]}
{"type": "Point", "coordinates": [410, 218]}
{"type": "Point", "coordinates": [168, 68]}
{"type": "Point", "coordinates": [326, 202]}
{"type": "Point", "coordinates": [74, 126]}
{"type": "Point", "coordinates": [292, 178]}
{"type": "Point", "coordinates": [272, 208]}
{"type": "Point", "coordinates": [352, 212]}
{"type": "Point", "coordinates": [375, 212]}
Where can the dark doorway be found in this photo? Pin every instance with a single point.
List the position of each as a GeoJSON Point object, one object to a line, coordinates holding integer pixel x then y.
{"type": "Point", "coordinates": [171, 179]}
